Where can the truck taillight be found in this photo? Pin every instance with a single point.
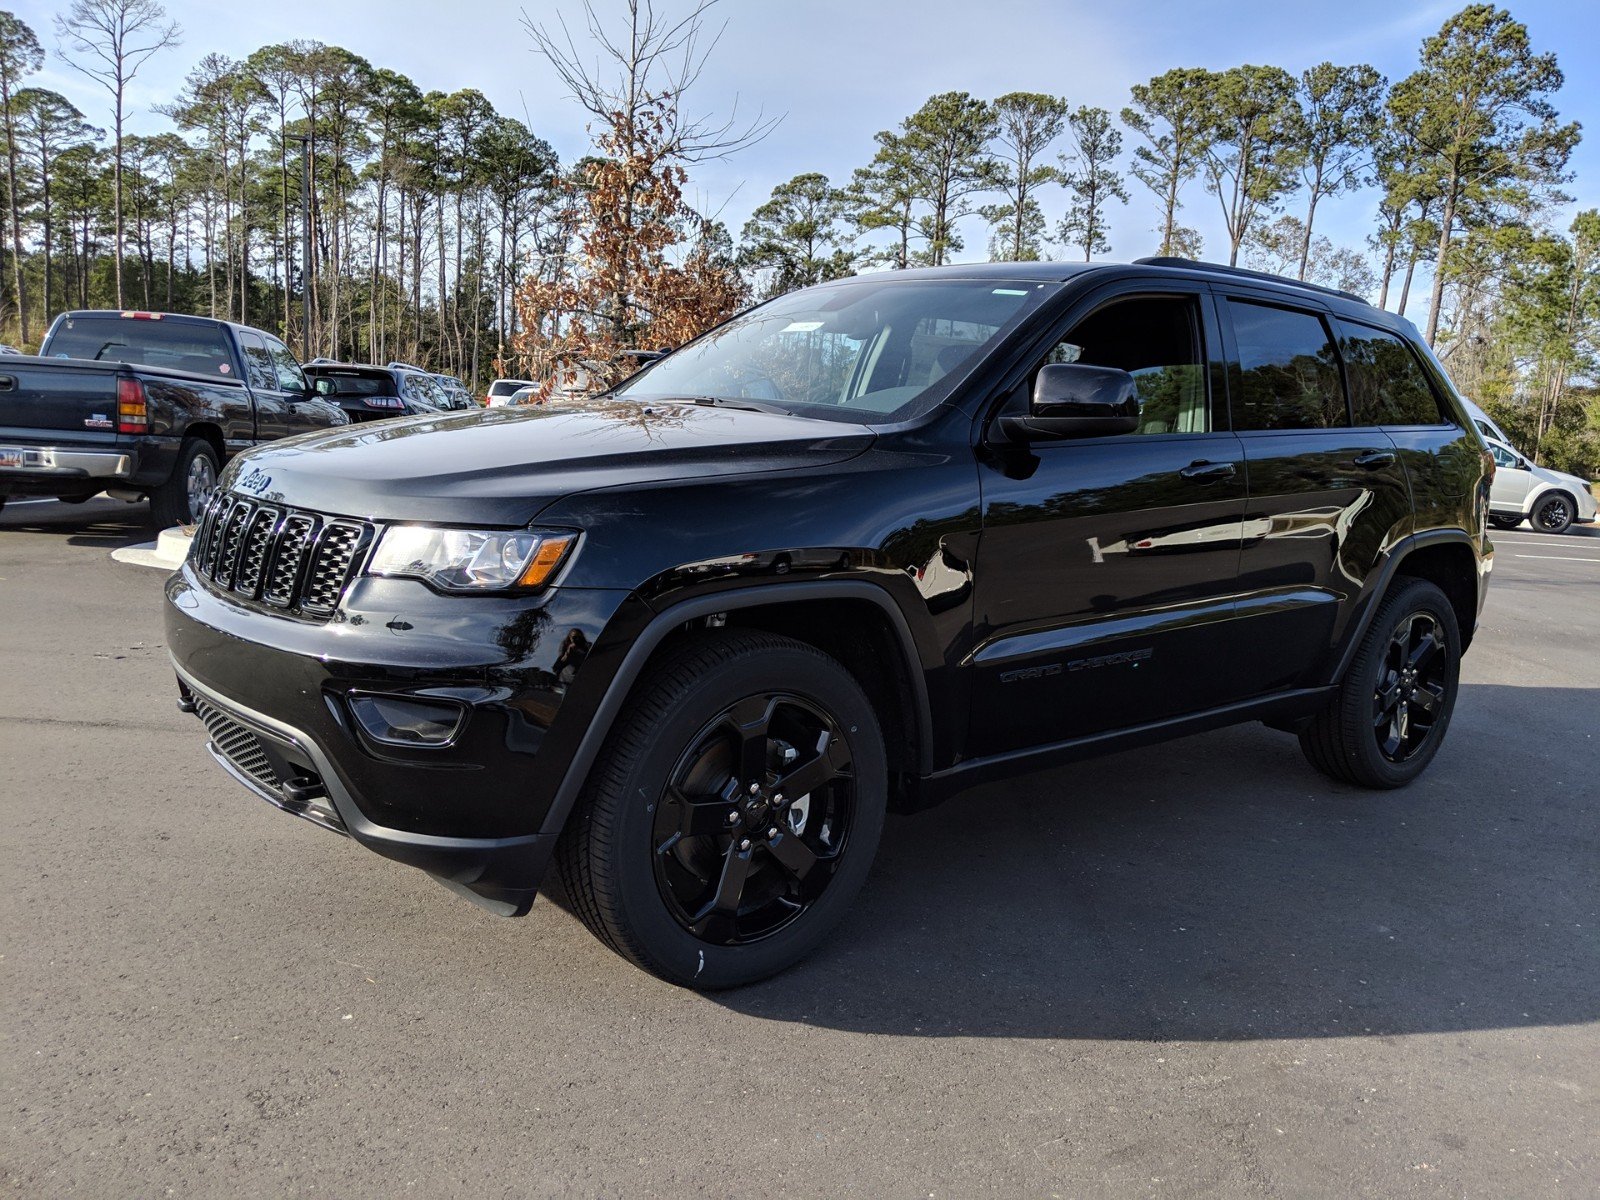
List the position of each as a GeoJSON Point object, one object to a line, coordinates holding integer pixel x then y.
{"type": "Point", "coordinates": [132, 415]}
{"type": "Point", "coordinates": [141, 316]}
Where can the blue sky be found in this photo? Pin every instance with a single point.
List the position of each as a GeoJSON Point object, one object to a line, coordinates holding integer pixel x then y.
{"type": "Point", "coordinates": [839, 70]}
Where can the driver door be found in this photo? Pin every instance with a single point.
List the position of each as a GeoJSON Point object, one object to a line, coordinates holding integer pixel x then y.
{"type": "Point", "coordinates": [1108, 565]}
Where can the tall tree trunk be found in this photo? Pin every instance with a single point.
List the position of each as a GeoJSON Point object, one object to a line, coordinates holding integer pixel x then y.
{"type": "Point", "coordinates": [1305, 241]}
{"type": "Point", "coordinates": [1446, 227]}
{"type": "Point", "coordinates": [16, 219]}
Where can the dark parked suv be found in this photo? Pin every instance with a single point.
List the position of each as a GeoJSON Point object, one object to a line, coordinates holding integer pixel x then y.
{"type": "Point", "coordinates": [859, 547]}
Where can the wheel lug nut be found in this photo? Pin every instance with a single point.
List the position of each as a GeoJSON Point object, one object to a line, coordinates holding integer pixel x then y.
{"type": "Point", "coordinates": [745, 844]}
{"type": "Point", "coordinates": [773, 832]}
{"type": "Point", "coordinates": [754, 787]}
{"type": "Point", "coordinates": [778, 799]}
{"type": "Point", "coordinates": [733, 818]}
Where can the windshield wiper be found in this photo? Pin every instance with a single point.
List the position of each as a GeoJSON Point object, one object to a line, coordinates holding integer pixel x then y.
{"type": "Point", "coordinates": [760, 406]}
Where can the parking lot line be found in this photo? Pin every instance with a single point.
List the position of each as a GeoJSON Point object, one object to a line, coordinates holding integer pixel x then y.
{"type": "Point", "coordinates": [1560, 557]}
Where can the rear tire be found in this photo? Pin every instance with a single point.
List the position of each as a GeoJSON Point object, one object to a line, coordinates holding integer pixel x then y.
{"type": "Point", "coordinates": [1504, 522]}
{"type": "Point", "coordinates": [1393, 706]}
{"type": "Point", "coordinates": [673, 860]}
{"type": "Point", "coordinates": [1554, 513]}
{"type": "Point", "coordinates": [179, 500]}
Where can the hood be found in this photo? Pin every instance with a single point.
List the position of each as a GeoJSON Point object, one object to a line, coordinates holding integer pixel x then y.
{"type": "Point", "coordinates": [503, 466]}
{"type": "Point", "coordinates": [1577, 481]}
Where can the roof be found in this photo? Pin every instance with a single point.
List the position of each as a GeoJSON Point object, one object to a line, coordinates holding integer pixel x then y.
{"type": "Point", "coordinates": [1044, 272]}
{"type": "Point", "coordinates": [1060, 272]}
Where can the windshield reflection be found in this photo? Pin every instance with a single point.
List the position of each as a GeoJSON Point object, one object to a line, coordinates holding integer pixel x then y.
{"type": "Point", "coordinates": [862, 350]}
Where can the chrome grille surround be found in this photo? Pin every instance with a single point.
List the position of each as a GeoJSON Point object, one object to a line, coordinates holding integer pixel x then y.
{"type": "Point", "coordinates": [289, 559]}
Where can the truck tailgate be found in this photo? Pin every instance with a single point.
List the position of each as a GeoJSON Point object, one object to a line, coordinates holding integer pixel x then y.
{"type": "Point", "coordinates": [39, 397]}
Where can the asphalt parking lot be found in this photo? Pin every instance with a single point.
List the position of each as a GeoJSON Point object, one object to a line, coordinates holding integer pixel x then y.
{"type": "Point", "coordinates": [1200, 970]}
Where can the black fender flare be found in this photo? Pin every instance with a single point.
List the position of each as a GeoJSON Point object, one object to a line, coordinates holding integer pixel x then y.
{"type": "Point", "coordinates": [669, 619]}
{"type": "Point", "coordinates": [1396, 555]}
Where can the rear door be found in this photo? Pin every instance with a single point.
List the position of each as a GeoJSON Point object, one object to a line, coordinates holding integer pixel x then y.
{"type": "Point", "coordinates": [1391, 389]}
{"type": "Point", "coordinates": [281, 410]}
{"type": "Point", "coordinates": [1327, 499]}
{"type": "Point", "coordinates": [1107, 565]}
{"type": "Point", "coordinates": [272, 406]}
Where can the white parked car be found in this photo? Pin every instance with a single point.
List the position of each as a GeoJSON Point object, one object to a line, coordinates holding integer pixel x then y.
{"type": "Point", "coordinates": [1548, 500]}
{"type": "Point", "coordinates": [1485, 423]}
{"type": "Point", "coordinates": [501, 391]}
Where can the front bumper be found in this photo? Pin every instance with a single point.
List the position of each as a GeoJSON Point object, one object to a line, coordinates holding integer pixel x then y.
{"type": "Point", "coordinates": [274, 694]}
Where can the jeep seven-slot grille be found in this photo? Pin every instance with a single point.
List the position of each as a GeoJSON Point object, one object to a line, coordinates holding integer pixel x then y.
{"type": "Point", "coordinates": [287, 558]}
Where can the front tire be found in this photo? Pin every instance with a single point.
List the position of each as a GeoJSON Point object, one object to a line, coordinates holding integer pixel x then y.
{"type": "Point", "coordinates": [1504, 522]}
{"type": "Point", "coordinates": [1393, 706]}
{"type": "Point", "coordinates": [734, 814]}
{"type": "Point", "coordinates": [1554, 513]}
{"type": "Point", "coordinates": [180, 499]}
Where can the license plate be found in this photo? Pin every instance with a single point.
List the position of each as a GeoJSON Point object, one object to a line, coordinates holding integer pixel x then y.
{"type": "Point", "coordinates": [10, 456]}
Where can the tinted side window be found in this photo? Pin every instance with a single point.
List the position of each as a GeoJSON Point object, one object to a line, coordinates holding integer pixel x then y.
{"type": "Point", "coordinates": [1387, 386]}
{"type": "Point", "coordinates": [257, 361]}
{"type": "Point", "coordinates": [1504, 457]}
{"type": "Point", "coordinates": [288, 370]}
{"type": "Point", "coordinates": [1156, 339]}
{"type": "Point", "coordinates": [1289, 370]}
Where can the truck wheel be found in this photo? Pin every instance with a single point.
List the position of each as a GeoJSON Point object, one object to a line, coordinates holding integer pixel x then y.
{"type": "Point", "coordinates": [735, 812]}
{"type": "Point", "coordinates": [1504, 522]}
{"type": "Point", "coordinates": [1553, 514]}
{"type": "Point", "coordinates": [179, 500]}
{"type": "Point", "coordinates": [1393, 706]}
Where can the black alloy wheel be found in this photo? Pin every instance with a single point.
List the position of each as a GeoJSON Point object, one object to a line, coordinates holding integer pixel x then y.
{"type": "Point", "coordinates": [733, 813]}
{"type": "Point", "coordinates": [1554, 514]}
{"type": "Point", "coordinates": [1411, 689]}
{"type": "Point", "coordinates": [1390, 711]}
{"type": "Point", "coordinates": [754, 820]}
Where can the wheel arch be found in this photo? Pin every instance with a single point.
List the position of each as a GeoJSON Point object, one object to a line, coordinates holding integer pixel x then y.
{"type": "Point", "coordinates": [810, 612]}
{"type": "Point", "coordinates": [211, 434]}
{"type": "Point", "coordinates": [1448, 558]}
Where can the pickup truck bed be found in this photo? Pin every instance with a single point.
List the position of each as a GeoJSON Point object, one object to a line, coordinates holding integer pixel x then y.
{"type": "Point", "coordinates": [59, 432]}
{"type": "Point", "coordinates": [146, 405]}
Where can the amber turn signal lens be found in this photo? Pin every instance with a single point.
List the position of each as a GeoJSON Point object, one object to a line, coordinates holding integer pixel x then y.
{"type": "Point", "coordinates": [552, 549]}
{"type": "Point", "coordinates": [546, 559]}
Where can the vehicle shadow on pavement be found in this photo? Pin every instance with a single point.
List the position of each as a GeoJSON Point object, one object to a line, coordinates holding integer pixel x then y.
{"type": "Point", "coordinates": [104, 524]}
{"type": "Point", "coordinates": [1218, 888]}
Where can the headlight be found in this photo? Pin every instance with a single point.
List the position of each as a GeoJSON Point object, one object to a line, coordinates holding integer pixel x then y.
{"type": "Point", "coordinates": [471, 560]}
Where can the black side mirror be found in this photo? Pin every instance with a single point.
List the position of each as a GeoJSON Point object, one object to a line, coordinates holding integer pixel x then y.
{"type": "Point", "coordinates": [1077, 400]}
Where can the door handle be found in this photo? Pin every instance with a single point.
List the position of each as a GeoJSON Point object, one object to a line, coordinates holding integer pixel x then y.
{"type": "Point", "coordinates": [1373, 459]}
{"type": "Point", "coordinates": [1205, 470]}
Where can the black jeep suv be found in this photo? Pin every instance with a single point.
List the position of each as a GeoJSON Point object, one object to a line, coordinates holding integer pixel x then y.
{"type": "Point", "coordinates": [860, 546]}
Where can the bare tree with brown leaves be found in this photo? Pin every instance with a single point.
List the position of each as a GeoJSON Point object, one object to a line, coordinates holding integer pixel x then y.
{"type": "Point", "coordinates": [646, 271]}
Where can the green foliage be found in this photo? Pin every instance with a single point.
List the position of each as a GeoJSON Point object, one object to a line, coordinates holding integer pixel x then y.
{"type": "Point", "coordinates": [1341, 115]}
{"type": "Point", "coordinates": [937, 160]}
{"type": "Point", "coordinates": [1257, 145]}
{"type": "Point", "coordinates": [1026, 124]}
{"type": "Point", "coordinates": [1172, 113]}
{"type": "Point", "coordinates": [798, 235]}
{"type": "Point", "coordinates": [1485, 132]}
{"type": "Point", "coordinates": [1091, 179]}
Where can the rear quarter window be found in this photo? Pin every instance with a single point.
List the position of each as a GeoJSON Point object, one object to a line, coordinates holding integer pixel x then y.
{"type": "Point", "coordinates": [1289, 370]}
{"type": "Point", "coordinates": [1387, 383]}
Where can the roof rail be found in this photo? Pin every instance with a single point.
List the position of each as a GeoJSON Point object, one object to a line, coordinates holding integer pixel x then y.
{"type": "Point", "coordinates": [1194, 264]}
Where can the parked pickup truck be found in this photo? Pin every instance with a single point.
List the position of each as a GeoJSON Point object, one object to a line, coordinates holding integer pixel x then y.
{"type": "Point", "coordinates": [142, 404]}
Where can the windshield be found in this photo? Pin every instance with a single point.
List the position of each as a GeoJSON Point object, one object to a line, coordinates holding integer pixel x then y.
{"type": "Point", "coordinates": [870, 350]}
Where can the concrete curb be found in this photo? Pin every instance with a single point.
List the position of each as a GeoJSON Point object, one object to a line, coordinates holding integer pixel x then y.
{"type": "Point", "coordinates": [166, 553]}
